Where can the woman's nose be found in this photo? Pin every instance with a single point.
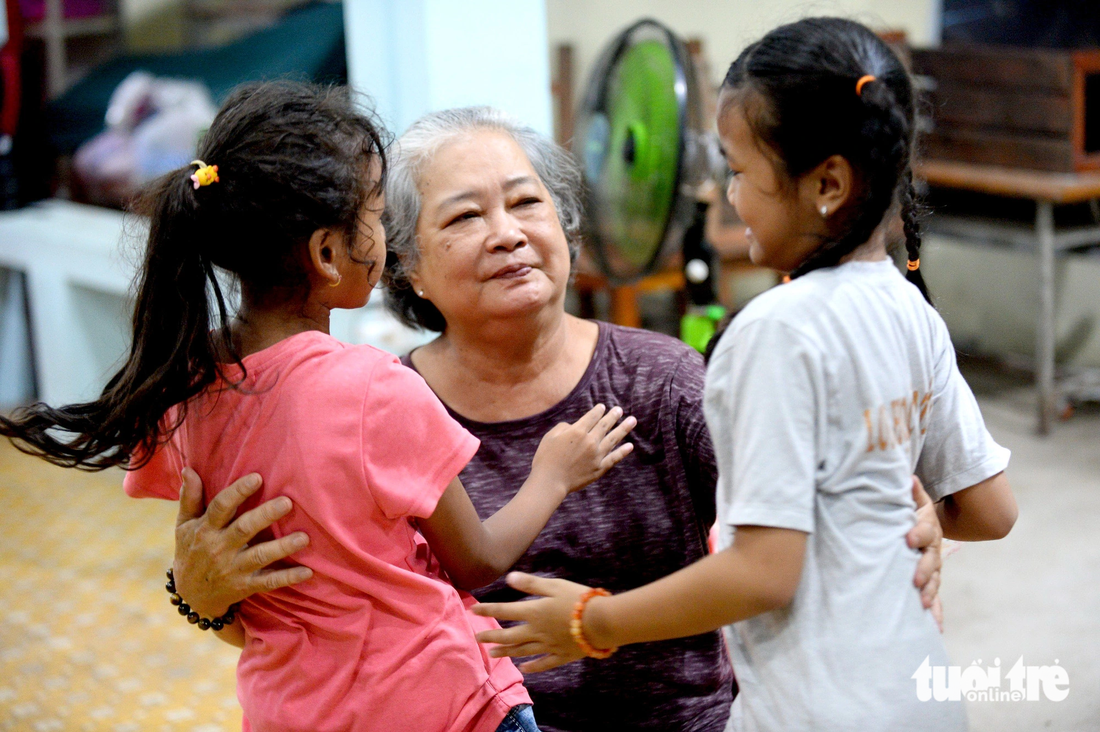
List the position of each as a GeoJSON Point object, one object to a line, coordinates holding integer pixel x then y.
{"type": "Point", "coordinates": [505, 233]}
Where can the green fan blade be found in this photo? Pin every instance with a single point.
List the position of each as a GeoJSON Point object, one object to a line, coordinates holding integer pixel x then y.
{"type": "Point", "coordinates": [632, 155]}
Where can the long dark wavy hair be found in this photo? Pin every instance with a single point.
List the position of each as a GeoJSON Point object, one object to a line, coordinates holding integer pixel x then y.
{"type": "Point", "coordinates": [292, 158]}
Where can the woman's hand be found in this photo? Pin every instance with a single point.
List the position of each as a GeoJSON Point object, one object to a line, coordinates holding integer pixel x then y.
{"type": "Point", "coordinates": [574, 455]}
{"type": "Point", "coordinates": [214, 566]}
{"type": "Point", "coordinates": [545, 623]}
{"type": "Point", "coordinates": [927, 536]}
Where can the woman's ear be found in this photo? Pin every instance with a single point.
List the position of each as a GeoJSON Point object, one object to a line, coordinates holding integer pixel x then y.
{"type": "Point", "coordinates": [828, 187]}
{"type": "Point", "coordinates": [323, 255]}
{"type": "Point", "coordinates": [417, 283]}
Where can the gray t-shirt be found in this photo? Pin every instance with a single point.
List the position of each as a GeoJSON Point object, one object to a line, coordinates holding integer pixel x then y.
{"type": "Point", "coordinates": [646, 518]}
{"type": "Point", "coordinates": [824, 397]}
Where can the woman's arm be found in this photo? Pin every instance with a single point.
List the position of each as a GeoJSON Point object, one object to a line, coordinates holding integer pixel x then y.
{"type": "Point", "coordinates": [759, 573]}
{"type": "Point", "coordinates": [214, 566]}
{"type": "Point", "coordinates": [475, 553]}
{"type": "Point", "coordinates": [232, 634]}
{"type": "Point", "coordinates": [981, 512]}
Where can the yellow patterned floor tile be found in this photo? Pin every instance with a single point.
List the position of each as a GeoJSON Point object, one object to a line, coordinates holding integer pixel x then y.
{"type": "Point", "coordinates": [88, 640]}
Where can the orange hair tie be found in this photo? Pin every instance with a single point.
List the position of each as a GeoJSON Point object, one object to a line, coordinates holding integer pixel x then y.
{"type": "Point", "coordinates": [913, 265]}
{"type": "Point", "coordinates": [863, 80]}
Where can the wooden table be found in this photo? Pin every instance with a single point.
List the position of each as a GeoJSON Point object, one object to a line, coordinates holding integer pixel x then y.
{"type": "Point", "coordinates": [1047, 190]}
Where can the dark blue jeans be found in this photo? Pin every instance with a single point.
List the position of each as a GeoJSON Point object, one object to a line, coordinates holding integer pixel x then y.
{"type": "Point", "coordinates": [519, 719]}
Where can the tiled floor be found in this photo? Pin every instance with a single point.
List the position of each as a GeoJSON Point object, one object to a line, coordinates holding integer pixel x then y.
{"type": "Point", "coordinates": [88, 640]}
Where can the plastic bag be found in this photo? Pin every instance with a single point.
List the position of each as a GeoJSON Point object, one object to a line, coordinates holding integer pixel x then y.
{"type": "Point", "coordinates": [153, 126]}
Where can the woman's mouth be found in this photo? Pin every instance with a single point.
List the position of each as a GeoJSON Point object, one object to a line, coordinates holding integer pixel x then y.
{"type": "Point", "coordinates": [512, 271]}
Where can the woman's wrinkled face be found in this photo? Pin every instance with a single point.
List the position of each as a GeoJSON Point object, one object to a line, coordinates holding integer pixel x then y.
{"type": "Point", "coordinates": [491, 245]}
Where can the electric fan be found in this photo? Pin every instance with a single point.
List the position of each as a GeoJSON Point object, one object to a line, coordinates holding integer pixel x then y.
{"type": "Point", "coordinates": [645, 151]}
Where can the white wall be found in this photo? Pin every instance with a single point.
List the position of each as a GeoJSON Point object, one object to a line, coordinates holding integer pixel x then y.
{"type": "Point", "coordinates": [415, 56]}
{"type": "Point", "coordinates": [989, 297]}
{"type": "Point", "coordinates": [725, 26]}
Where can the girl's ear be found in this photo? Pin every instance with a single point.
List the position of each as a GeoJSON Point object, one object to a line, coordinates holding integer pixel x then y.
{"type": "Point", "coordinates": [323, 255]}
{"type": "Point", "coordinates": [828, 187]}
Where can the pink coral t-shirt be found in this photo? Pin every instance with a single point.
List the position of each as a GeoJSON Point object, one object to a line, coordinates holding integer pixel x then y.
{"type": "Point", "coordinates": [378, 639]}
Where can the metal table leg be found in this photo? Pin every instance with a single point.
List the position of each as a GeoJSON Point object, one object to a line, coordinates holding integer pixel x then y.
{"type": "Point", "coordinates": [1044, 352]}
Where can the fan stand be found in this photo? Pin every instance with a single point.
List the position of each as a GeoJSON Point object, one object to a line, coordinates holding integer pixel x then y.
{"type": "Point", "coordinates": [624, 298]}
{"type": "Point", "coordinates": [732, 262]}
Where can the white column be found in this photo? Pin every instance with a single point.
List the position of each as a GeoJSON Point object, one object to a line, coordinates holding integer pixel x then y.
{"type": "Point", "coordinates": [416, 56]}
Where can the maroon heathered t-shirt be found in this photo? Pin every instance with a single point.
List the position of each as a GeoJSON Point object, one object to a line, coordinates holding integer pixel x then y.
{"type": "Point", "coordinates": [646, 518]}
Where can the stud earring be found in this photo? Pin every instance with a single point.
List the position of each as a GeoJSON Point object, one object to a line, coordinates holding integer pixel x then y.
{"type": "Point", "coordinates": [824, 212]}
{"type": "Point", "coordinates": [420, 292]}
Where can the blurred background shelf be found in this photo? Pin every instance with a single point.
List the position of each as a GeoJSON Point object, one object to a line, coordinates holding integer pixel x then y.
{"type": "Point", "coordinates": [75, 34]}
{"type": "Point", "coordinates": [214, 22]}
{"type": "Point", "coordinates": [73, 27]}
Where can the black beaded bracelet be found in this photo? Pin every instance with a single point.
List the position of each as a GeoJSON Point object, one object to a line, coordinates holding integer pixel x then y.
{"type": "Point", "coordinates": [192, 616]}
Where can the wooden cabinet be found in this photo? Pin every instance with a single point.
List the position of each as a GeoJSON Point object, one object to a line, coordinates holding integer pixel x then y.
{"type": "Point", "coordinates": [1026, 108]}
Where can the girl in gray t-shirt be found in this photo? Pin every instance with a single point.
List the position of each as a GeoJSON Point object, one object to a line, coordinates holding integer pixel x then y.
{"type": "Point", "coordinates": [823, 398]}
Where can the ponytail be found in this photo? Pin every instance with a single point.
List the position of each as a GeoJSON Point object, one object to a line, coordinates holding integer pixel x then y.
{"type": "Point", "coordinates": [173, 354]}
{"type": "Point", "coordinates": [293, 158]}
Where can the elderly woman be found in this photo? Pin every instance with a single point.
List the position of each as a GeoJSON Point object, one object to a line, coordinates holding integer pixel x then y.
{"type": "Point", "coordinates": [483, 221]}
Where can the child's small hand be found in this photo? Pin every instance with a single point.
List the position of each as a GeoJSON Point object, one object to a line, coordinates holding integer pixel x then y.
{"type": "Point", "coordinates": [574, 455]}
{"type": "Point", "coordinates": [542, 625]}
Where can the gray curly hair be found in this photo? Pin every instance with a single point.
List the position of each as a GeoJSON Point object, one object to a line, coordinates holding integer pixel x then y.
{"type": "Point", "coordinates": [554, 166]}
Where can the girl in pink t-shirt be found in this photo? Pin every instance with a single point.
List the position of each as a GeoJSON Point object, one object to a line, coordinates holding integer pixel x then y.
{"type": "Point", "coordinates": [379, 638]}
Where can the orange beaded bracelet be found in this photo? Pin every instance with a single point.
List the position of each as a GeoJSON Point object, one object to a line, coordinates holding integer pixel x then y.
{"type": "Point", "coordinates": [576, 625]}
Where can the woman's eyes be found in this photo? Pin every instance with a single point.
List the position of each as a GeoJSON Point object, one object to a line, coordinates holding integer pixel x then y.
{"type": "Point", "coordinates": [467, 215]}
{"type": "Point", "coordinates": [464, 216]}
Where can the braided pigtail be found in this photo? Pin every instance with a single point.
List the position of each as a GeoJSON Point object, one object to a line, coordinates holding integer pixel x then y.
{"type": "Point", "coordinates": [911, 211]}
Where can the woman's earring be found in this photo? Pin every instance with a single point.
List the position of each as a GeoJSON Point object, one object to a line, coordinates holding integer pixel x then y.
{"type": "Point", "coordinates": [337, 282]}
{"type": "Point", "coordinates": [420, 292]}
{"type": "Point", "coordinates": [824, 212]}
